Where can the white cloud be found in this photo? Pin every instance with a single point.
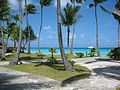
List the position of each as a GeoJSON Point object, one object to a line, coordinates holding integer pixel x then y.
{"type": "Point", "coordinates": [63, 2]}
{"type": "Point", "coordinates": [15, 5]}
{"type": "Point", "coordinates": [71, 36]}
{"type": "Point", "coordinates": [81, 35]}
{"type": "Point", "coordinates": [50, 37]}
{"type": "Point", "coordinates": [48, 27]}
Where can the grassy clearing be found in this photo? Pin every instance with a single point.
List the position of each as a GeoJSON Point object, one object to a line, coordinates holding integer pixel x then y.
{"type": "Point", "coordinates": [54, 71]}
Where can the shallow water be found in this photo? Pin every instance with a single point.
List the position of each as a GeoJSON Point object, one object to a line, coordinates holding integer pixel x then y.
{"type": "Point", "coordinates": [103, 51]}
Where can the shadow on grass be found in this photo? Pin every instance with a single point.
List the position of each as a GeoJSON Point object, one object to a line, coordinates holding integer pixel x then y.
{"type": "Point", "coordinates": [75, 78]}
{"type": "Point", "coordinates": [55, 66]}
{"type": "Point", "coordinates": [109, 72]}
{"type": "Point", "coordinates": [83, 74]}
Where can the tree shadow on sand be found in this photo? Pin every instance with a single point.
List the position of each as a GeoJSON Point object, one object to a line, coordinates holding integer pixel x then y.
{"type": "Point", "coordinates": [5, 83]}
{"type": "Point", "coordinates": [109, 72]}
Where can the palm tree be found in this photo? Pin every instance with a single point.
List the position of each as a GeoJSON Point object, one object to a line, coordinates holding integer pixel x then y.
{"type": "Point", "coordinates": [52, 50]}
{"type": "Point", "coordinates": [67, 65]}
{"type": "Point", "coordinates": [72, 42]}
{"type": "Point", "coordinates": [95, 4]}
{"type": "Point", "coordinates": [16, 59]}
{"type": "Point", "coordinates": [30, 9]}
{"type": "Point", "coordinates": [43, 3]}
{"type": "Point", "coordinates": [4, 10]}
{"type": "Point", "coordinates": [16, 18]}
{"type": "Point", "coordinates": [69, 17]}
{"type": "Point", "coordinates": [116, 15]}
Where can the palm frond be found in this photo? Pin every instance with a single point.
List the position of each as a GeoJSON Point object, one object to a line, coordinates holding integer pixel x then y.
{"type": "Point", "coordinates": [77, 18]}
{"type": "Point", "coordinates": [45, 2]}
{"type": "Point", "coordinates": [99, 1]}
{"type": "Point", "coordinates": [91, 5]}
{"type": "Point", "coordinates": [105, 10]}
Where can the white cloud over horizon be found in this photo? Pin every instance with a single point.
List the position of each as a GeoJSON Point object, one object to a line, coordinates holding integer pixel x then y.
{"type": "Point", "coordinates": [48, 27]}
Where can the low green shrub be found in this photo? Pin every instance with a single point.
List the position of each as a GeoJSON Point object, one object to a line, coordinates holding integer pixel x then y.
{"type": "Point", "coordinates": [72, 62]}
{"type": "Point", "coordinates": [41, 56]}
{"type": "Point", "coordinates": [10, 49]}
{"type": "Point", "coordinates": [92, 52]}
{"type": "Point", "coordinates": [115, 53]}
{"type": "Point", "coordinates": [80, 54]}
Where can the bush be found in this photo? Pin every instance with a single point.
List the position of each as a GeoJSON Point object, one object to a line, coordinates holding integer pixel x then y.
{"type": "Point", "coordinates": [109, 54]}
{"type": "Point", "coordinates": [80, 54]}
{"type": "Point", "coordinates": [72, 62]}
{"type": "Point", "coordinates": [115, 53]}
{"type": "Point", "coordinates": [41, 56]}
{"type": "Point", "coordinates": [10, 49]}
{"type": "Point", "coordinates": [92, 52]}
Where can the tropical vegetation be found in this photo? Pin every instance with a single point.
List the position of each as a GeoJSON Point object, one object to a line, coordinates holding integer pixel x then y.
{"type": "Point", "coordinates": [11, 28]}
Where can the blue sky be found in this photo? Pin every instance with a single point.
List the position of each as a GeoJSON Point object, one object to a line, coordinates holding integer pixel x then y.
{"type": "Point", "coordinates": [85, 28]}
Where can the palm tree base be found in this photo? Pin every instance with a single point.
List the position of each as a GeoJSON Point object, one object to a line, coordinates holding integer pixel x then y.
{"type": "Point", "coordinates": [3, 58]}
{"type": "Point", "coordinates": [15, 61]}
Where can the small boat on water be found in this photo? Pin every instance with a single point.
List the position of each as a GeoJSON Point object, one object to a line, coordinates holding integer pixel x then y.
{"type": "Point", "coordinates": [91, 47]}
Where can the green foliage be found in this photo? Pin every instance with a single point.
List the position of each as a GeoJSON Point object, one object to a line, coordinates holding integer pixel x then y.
{"type": "Point", "coordinates": [72, 62]}
{"type": "Point", "coordinates": [41, 56]}
{"type": "Point", "coordinates": [30, 9]}
{"type": "Point", "coordinates": [32, 34]}
{"type": "Point", "coordinates": [52, 50]}
{"type": "Point", "coordinates": [10, 49]}
{"type": "Point", "coordinates": [109, 54]}
{"type": "Point", "coordinates": [70, 14]}
{"type": "Point", "coordinates": [45, 2]}
{"type": "Point", "coordinates": [80, 54]}
{"type": "Point", "coordinates": [92, 52]}
{"type": "Point", "coordinates": [115, 53]}
{"type": "Point", "coordinates": [52, 60]}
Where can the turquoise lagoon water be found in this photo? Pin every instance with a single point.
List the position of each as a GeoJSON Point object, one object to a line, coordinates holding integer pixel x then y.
{"type": "Point", "coordinates": [103, 51]}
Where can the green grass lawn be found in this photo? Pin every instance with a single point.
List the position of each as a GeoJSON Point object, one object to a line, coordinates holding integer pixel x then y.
{"type": "Point", "coordinates": [24, 56]}
{"type": "Point", "coordinates": [54, 71]}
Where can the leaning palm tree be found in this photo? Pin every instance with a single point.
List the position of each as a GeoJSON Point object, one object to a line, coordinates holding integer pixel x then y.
{"type": "Point", "coordinates": [4, 10]}
{"type": "Point", "coordinates": [43, 3]}
{"type": "Point", "coordinates": [116, 15]}
{"type": "Point", "coordinates": [16, 59]}
{"type": "Point", "coordinates": [95, 4]}
{"type": "Point", "coordinates": [67, 65]}
{"type": "Point", "coordinates": [29, 9]}
{"type": "Point", "coordinates": [79, 2]}
{"type": "Point", "coordinates": [69, 17]}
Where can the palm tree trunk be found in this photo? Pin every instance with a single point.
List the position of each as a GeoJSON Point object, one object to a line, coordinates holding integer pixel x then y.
{"type": "Point", "coordinates": [3, 44]}
{"type": "Point", "coordinates": [40, 30]}
{"type": "Point", "coordinates": [97, 44]}
{"type": "Point", "coordinates": [16, 59]}
{"type": "Point", "coordinates": [14, 44]}
{"type": "Point", "coordinates": [119, 34]}
{"type": "Point", "coordinates": [67, 65]}
{"type": "Point", "coordinates": [68, 39]}
{"type": "Point", "coordinates": [28, 39]}
{"type": "Point", "coordinates": [71, 51]}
